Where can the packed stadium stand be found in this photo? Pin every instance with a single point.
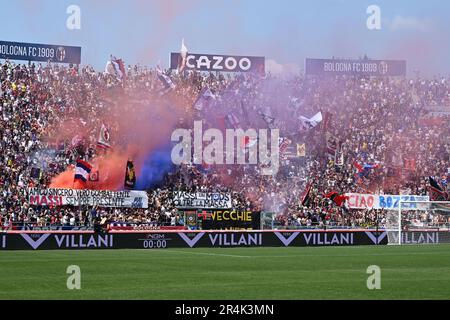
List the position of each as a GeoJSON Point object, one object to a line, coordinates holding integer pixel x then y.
{"type": "Point", "coordinates": [389, 141]}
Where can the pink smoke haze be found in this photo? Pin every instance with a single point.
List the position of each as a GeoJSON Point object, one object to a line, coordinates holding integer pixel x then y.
{"type": "Point", "coordinates": [137, 128]}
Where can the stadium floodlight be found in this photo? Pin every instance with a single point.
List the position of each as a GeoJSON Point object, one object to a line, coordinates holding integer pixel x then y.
{"type": "Point", "coordinates": [414, 216]}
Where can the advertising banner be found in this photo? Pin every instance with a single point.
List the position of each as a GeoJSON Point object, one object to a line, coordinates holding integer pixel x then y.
{"type": "Point", "coordinates": [392, 202]}
{"type": "Point", "coordinates": [362, 201]}
{"type": "Point", "coordinates": [385, 201]}
{"type": "Point", "coordinates": [201, 200]}
{"type": "Point", "coordinates": [421, 237]}
{"type": "Point", "coordinates": [229, 220]}
{"type": "Point", "coordinates": [355, 67]}
{"type": "Point", "coordinates": [40, 52]}
{"type": "Point", "coordinates": [193, 239]}
{"type": "Point", "coordinates": [85, 197]}
{"type": "Point", "coordinates": [219, 62]}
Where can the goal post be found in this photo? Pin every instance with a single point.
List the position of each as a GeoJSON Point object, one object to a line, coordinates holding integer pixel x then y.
{"type": "Point", "coordinates": [418, 222]}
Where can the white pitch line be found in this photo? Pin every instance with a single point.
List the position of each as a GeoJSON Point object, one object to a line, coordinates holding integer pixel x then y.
{"type": "Point", "coordinates": [210, 254]}
{"type": "Point", "coordinates": [344, 255]}
{"type": "Point", "coordinates": [299, 255]}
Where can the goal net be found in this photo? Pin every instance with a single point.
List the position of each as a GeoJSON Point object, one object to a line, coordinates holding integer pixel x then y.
{"type": "Point", "coordinates": [419, 222]}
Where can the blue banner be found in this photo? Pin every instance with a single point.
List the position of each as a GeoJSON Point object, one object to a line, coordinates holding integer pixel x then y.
{"type": "Point", "coordinates": [355, 67]}
{"type": "Point", "coordinates": [40, 52]}
{"type": "Point", "coordinates": [390, 202]}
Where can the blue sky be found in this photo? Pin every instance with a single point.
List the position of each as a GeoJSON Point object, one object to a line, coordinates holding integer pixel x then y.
{"type": "Point", "coordinates": [284, 31]}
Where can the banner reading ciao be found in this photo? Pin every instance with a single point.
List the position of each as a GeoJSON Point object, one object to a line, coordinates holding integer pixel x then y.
{"type": "Point", "coordinates": [383, 201]}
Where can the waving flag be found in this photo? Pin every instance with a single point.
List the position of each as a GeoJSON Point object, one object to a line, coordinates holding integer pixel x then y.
{"type": "Point", "coordinates": [104, 138]}
{"type": "Point", "coordinates": [338, 199]}
{"type": "Point", "coordinates": [437, 193]}
{"type": "Point", "coordinates": [283, 143]}
{"type": "Point", "coordinates": [339, 158]}
{"type": "Point", "coordinates": [165, 80]}
{"type": "Point", "coordinates": [248, 142]}
{"type": "Point", "coordinates": [109, 68]}
{"type": "Point", "coordinates": [301, 150]}
{"type": "Point", "coordinates": [115, 67]}
{"type": "Point", "coordinates": [332, 143]}
{"type": "Point", "coordinates": [120, 68]}
{"type": "Point", "coordinates": [306, 123]}
{"type": "Point", "coordinates": [204, 99]}
{"type": "Point", "coordinates": [182, 57]}
{"type": "Point", "coordinates": [364, 170]}
{"type": "Point", "coordinates": [284, 148]}
{"type": "Point", "coordinates": [305, 196]}
{"type": "Point", "coordinates": [130, 175]}
{"type": "Point", "coordinates": [82, 171]}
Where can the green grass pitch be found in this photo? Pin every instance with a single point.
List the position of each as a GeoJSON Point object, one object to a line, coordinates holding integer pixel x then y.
{"type": "Point", "coordinates": [407, 272]}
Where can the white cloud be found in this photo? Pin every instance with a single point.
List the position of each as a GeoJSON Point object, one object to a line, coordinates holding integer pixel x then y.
{"type": "Point", "coordinates": [411, 23]}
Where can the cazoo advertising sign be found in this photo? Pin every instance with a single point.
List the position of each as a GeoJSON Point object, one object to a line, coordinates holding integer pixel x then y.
{"type": "Point", "coordinates": [218, 62]}
{"type": "Point", "coordinates": [77, 197]}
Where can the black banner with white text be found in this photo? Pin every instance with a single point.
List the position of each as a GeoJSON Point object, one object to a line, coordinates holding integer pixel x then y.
{"type": "Point", "coordinates": [34, 240]}
{"type": "Point", "coordinates": [220, 62]}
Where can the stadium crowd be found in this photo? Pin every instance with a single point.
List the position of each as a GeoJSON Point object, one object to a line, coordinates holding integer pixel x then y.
{"type": "Point", "coordinates": [392, 135]}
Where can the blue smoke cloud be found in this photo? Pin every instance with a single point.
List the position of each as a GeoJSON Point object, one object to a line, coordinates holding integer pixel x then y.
{"type": "Point", "coordinates": [156, 164]}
